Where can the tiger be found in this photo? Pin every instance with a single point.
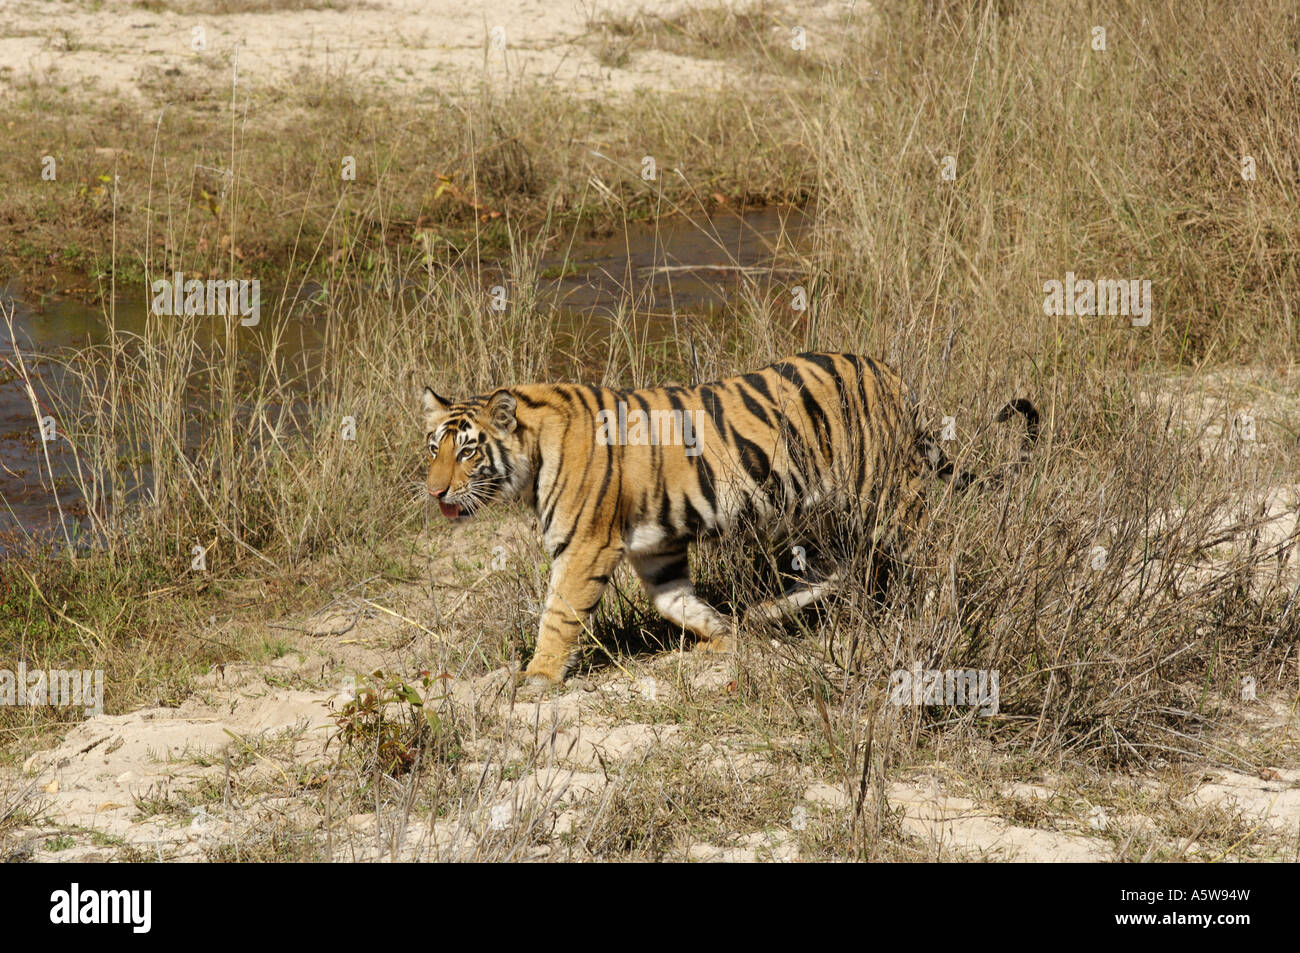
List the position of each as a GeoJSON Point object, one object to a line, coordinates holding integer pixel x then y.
{"type": "Point", "coordinates": [641, 474]}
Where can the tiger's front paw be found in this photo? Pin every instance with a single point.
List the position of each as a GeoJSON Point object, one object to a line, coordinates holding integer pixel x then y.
{"type": "Point", "coordinates": [767, 615]}
{"type": "Point", "coordinates": [537, 680]}
{"type": "Point", "coordinates": [719, 645]}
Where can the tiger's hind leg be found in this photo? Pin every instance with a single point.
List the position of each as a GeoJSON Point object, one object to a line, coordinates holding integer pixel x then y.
{"type": "Point", "coordinates": [667, 582]}
{"type": "Point", "coordinates": [812, 586]}
{"type": "Point", "coordinates": [895, 529]}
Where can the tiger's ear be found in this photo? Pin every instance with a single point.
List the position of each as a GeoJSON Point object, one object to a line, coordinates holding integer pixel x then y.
{"type": "Point", "coordinates": [500, 411]}
{"type": "Point", "coordinates": [432, 404]}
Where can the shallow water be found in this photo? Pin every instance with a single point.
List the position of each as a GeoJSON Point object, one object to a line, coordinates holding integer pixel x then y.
{"type": "Point", "coordinates": [659, 272]}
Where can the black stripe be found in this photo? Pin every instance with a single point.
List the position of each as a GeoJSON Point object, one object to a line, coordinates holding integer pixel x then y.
{"type": "Point", "coordinates": [668, 572]}
{"type": "Point", "coordinates": [563, 545]}
{"type": "Point", "coordinates": [547, 507]}
{"type": "Point", "coordinates": [792, 373]}
{"type": "Point", "coordinates": [821, 426]}
{"type": "Point", "coordinates": [756, 463]}
{"type": "Point", "coordinates": [597, 397]}
{"type": "Point", "coordinates": [524, 399]}
{"type": "Point", "coordinates": [695, 522]}
{"type": "Point", "coordinates": [713, 406]}
{"type": "Point", "coordinates": [606, 479]}
{"type": "Point", "coordinates": [753, 406]}
{"type": "Point", "coordinates": [756, 381]}
{"type": "Point", "coordinates": [824, 361]}
{"type": "Point", "coordinates": [827, 363]}
{"type": "Point", "coordinates": [704, 473]}
{"type": "Point", "coordinates": [864, 421]}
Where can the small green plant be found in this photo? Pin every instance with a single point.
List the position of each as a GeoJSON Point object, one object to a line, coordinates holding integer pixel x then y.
{"type": "Point", "coordinates": [389, 723]}
{"type": "Point", "coordinates": [59, 842]}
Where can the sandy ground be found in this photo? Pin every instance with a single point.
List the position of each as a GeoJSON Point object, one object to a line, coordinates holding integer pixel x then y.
{"type": "Point", "coordinates": [403, 45]}
{"type": "Point", "coordinates": [265, 727]}
{"type": "Point", "coordinates": [90, 783]}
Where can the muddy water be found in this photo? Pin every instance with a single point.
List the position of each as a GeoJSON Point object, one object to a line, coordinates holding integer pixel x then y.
{"type": "Point", "coordinates": [659, 272]}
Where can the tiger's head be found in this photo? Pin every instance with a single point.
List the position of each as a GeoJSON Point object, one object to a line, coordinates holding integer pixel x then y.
{"type": "Point", "coordinates": [475, 453]}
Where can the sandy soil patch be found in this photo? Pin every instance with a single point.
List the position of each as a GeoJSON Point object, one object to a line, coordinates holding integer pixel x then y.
{"type": "Point", "coordinates": [405, 46]}
{"type": "Point", "coordinates": [542, 775]}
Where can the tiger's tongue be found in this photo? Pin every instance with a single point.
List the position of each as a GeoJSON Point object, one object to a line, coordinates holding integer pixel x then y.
{"type": "Point", "coordinates": [449, 510]}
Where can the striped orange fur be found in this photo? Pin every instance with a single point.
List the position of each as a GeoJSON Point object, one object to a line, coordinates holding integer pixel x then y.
{"type": "Point", "coordinates": [640, 474]}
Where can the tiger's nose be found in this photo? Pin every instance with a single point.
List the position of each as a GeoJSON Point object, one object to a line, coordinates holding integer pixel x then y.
{"type": "Point", "coordinates": [437, 494]}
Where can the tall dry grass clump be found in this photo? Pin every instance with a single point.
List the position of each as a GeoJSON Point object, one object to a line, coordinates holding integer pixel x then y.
{"type": "Point", "coordinates": [1125, 162]}
{"type": "Point", "coordinates": [1122, 162]}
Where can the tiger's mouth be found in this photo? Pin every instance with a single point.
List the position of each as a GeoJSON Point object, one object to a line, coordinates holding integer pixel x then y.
{"type": "Point", "coordinates": [450, 510]}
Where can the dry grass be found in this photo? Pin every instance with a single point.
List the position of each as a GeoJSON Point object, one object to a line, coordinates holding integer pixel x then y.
{"type": "Point", "coordinates": [755, 35]}
{"type": "Point", "coordinates": [226, 7]}
{"type": "Point", "coordinates": [256, 183]}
